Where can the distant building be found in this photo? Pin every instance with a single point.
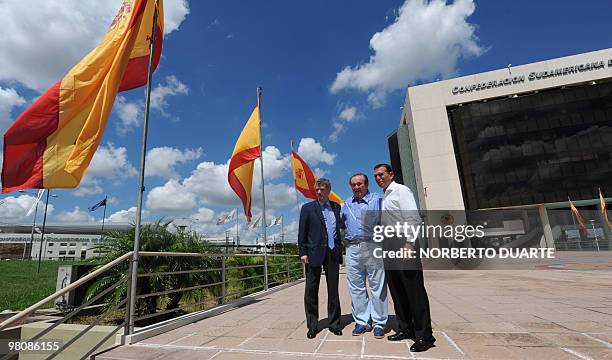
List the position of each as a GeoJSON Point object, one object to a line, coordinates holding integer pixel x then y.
{"type": "Point", "coordinates": [61, 241]}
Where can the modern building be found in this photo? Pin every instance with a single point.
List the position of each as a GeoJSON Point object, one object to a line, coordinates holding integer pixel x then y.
{"type": "Point", "coordinates": [61, 241]}
{"type": "Point", "coordinates": [521, 138]}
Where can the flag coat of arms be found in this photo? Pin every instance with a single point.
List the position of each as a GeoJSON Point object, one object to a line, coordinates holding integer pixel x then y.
{"type": "Point", "coordinates": [305, 180]}
{"type": "Point", "coordinates": [52, 142]}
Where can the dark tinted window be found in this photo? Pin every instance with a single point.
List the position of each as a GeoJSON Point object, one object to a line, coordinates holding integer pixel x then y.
{"type": "Point", "coordinates": [535, 148]}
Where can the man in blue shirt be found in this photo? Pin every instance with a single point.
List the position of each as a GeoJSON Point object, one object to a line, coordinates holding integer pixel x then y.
{"type": "Point", "coordinates": [360, 213]}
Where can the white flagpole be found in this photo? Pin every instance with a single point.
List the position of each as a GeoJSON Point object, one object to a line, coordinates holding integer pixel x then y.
{"type": "Point", "coordinates": [263, 194]}
{"type": "Point", "coordinates": [141, 188]}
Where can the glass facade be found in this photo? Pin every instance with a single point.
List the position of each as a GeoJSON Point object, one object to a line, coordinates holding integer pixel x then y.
{"type": "Point", "coordinates": [536, 148]}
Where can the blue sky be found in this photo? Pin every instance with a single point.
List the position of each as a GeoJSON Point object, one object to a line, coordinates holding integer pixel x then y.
{"type": "Point", "coordinates": [333, 73]}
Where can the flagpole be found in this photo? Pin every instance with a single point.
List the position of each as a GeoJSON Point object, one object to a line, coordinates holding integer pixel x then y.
{"type": "Point", "coordinates": [103, 218]}
{"type": "Point", "coordinates": [297, 200]}
{"type": "Point", "coordinates": [237, 242]}
{"type": "Point", "coordinates": [141, 188]}
{"type": "Point", "coordinates": [282, 234]}
{"type": "Point", "coordinates": [42, 235]}
{"type": "Point", "coordinates": [263, 194]}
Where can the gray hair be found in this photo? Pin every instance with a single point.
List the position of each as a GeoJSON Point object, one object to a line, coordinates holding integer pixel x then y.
{"type": "Point", "coordinates": [323, 182]}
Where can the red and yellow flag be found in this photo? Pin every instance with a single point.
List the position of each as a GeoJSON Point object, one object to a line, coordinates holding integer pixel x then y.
{"type": "Point", "coordinates": [579, 218]}
{"type": "Point", "coordinates": [247, 149]}
{"type": "Point", "coordinates": [604, 213]}
{"type": "Point", "coordinates": [305, 179]}
{"type": "Point", "coordinates": [51, 143]}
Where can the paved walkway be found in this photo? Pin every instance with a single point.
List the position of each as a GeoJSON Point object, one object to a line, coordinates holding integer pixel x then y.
{"type": "Point", "coordinates": [538, 314]}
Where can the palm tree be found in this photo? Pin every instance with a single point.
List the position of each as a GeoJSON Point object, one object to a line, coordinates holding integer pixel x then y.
{"type": "Point", "coordinates": [157, 237]}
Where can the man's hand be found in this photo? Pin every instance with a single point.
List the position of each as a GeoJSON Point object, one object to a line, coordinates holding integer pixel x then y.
{"type": "Point", "coordinates": [304, 259]}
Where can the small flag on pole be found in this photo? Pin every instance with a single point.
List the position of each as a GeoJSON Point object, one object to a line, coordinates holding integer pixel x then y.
{"type": "Point", "coordinates": [276, 221]}
{"type": "Point", "coordinates": [604, 213]}
{"type": "Point", "coordinates": [98, 205]}
{"type": "Point", "coordinates": [226, 217]}
{"type": "Point", "coordinates": [41, 192]}
{"type": "Point", "coordinates": [579, 218]}
{"type": "Point", "coordinates": [255, 223]}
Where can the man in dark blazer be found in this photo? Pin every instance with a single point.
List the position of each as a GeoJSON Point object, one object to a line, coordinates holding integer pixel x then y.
{"type": "Point", "coordinates": [319, 244]}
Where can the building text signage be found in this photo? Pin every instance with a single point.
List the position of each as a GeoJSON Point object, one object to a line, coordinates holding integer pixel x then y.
{"type": "Point", "coordinates": [532, 76]}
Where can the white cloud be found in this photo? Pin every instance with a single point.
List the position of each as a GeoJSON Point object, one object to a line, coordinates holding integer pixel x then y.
{"type": "Point", "coordinates": [161, 161]}
{"type": "Point", "coordinates": [14, 209]}
{"type": "Point", "coordinates": [75, 216]}
{"type": "Point", "coordinates": [346, 115]}
{"type": "Point", "coordinates": [9, 98]}
{"type": "Point", "coordinates": [426, 40]}
{"type": "Point", "coordinates": [61, 32]}
{"type": "Point", "coordinates": [126, 216]}
{"type": "Point", "coordinates": [175, 12]}
{"type": "Point", "coordinates": [170, 197]}
{"type": "Point", "coordinates": [313, 152]}
{"type": "Point", "coordinates": [111, 162]}
{"type": "Point", "coordinates": [172, 87]}
{"type": "Point", "coordinates": [209, 180]}
{"type": "Point", "coordinates": [129, 113]}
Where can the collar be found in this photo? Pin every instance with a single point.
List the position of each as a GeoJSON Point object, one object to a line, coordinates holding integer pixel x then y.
{"type": "Point", "coordinates": [366, 198]}
{"type": "Point", "coordinates": [324, 205]}
{"type": "Point", "coordinates": [391, 186]}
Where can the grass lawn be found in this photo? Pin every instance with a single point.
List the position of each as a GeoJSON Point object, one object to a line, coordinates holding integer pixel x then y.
{"type": "Point", "coordinates": [22, 286]}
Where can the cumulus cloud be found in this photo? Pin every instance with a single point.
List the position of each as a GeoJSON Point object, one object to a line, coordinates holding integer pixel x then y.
{"type": "Point", "coordinates": [171, 87]}
{"type": "Point", "coordinates": [170, 197]}
{"type": "Point", "coordinates": [130, 113]}
{"type": "Point", "coordinates": [75, 216]}
{"type": "Point", "coordinates": [426, 40]}
{"type": "Point", "coordinates": [61, 33]}
{"type": "Point", "coordinates": [9, 98]}
{"type": "Point", "coordinates": [313, 152]}
{"type": "Point", "coordinates": [109, 163]}
{"type": "Point", "coordinates": [14, 208]}
{"type": "Point", "coordinates": [126, 216]}
{"type": "Point", "coordinates": [346, 115]}
{"type": "Point", "coordinates": [161, 161]}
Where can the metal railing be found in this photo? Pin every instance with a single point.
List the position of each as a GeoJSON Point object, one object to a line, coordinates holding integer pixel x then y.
{"type": "Point", "coordinates": [167, 284]}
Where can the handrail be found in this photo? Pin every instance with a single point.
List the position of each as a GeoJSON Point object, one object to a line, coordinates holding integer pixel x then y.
{"type": "Point", "coordinates": [170, 253]}
{"type": "Point", "coordinates": [63, 291]}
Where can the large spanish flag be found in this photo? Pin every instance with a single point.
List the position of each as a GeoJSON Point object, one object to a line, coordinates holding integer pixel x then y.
{"type": "Point", "coordinates": [51, 143]}
{"type": "Point", "coordinates": [247, 149]}
{"type": "Point", "coordinates": [305, 180]}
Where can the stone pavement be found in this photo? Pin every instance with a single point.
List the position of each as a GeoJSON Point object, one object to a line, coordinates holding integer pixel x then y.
{"type": "Point", "coordinates": [528, 314]}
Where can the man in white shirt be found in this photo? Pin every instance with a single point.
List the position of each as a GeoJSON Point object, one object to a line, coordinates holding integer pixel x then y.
{"type": "Point", "coordinates": [405, 280]}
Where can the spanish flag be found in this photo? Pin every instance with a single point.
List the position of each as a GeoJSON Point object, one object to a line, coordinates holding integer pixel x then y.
{"type": "Point", "coordinates": [51, 143]}
{"type": "Point", "coordinates": [604, 213]}
{"type": "Point", "coordinates": [305, 180]}
{"type": "Point", "coordinates": [579, 218]}
{"type": "Point", "coordinates": [247, 149]}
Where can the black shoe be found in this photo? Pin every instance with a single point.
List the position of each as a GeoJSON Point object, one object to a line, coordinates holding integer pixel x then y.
{"type": "Point", "coordinates": [336, 332]}
{"type": "Point", "coordinates": [422, 345]}
{"type": "Point", "coordinates": [400, 335]}
{"type": "Point", "coordinates": [311, 334]}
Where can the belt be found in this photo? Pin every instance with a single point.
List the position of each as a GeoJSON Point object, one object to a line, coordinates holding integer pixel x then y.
{"type": "Point", "coordinates": [353, 242]}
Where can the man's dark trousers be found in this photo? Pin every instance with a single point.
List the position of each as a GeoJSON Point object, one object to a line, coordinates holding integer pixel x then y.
{"type": "Point", "coordinates": [410, 302]}
{"type": "Point", "coordinates": [311, 295]}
